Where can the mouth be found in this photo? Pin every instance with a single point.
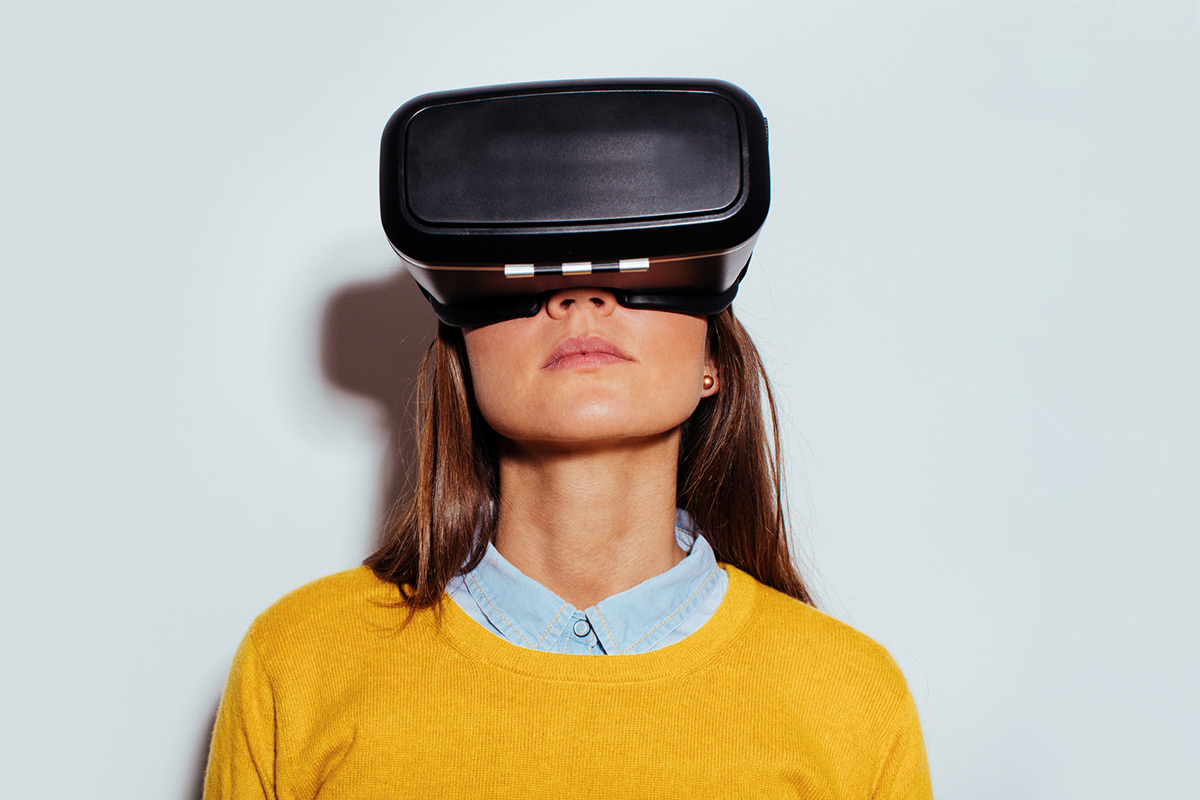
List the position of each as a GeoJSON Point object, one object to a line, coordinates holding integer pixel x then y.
{"type": "Point", "coordinates": [589, 351]}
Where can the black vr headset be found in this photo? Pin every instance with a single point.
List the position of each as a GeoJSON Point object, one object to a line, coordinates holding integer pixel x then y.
{"type": "Point", "coordinates": [652, 189]}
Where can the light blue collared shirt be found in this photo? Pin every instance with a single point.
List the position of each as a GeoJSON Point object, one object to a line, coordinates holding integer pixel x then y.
{"type": "Point", "coordinates": [657, 612]}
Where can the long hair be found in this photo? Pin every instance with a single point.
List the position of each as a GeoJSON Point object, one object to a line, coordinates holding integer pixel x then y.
{"type": "Point", "coordinates": [729, 479]}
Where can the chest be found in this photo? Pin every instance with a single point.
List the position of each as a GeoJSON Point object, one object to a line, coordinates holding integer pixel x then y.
{"type": "Point", "coordinates": [524, 739]}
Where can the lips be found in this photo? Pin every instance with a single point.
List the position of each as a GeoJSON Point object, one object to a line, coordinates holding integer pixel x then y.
{"type": "Point", "coordinates": [585, 351]}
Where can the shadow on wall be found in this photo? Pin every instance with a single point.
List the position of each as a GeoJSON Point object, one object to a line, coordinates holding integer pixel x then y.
{"type": "Point", "coordinates": [373, 338]}
{"type": "Point", "coordinates": [196, 783]}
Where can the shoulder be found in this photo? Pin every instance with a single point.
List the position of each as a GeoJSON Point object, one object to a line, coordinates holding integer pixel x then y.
{"type": "Point", "coordinates": [329, 596]}
{"type": "Point", "coordinates": [822, 677]}
{"type": "Point", "coordinates": [827, 652]}
{"type": "Point", "coordinates": [338, 613]}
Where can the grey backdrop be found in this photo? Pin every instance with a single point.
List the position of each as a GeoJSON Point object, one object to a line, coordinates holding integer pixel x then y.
{"type": "Point", "coordinates": [975, 292]}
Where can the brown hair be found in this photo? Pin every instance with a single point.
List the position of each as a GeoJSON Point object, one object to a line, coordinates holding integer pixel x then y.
{"type": "Point", "coordinates": [729, 478]}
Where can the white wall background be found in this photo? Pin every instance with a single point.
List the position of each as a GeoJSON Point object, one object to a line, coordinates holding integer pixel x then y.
{"type": "Point", "coordinates": [976, 291]}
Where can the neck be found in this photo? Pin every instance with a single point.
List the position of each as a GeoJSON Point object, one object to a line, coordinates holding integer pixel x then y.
{"type": "Point", "coordinates": [588, 524]}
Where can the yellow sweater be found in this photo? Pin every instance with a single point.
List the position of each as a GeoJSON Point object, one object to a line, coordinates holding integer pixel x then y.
{"type": "Point", "coordinates": [770, 698]}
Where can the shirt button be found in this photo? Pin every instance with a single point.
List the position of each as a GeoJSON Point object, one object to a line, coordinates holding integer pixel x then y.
{"type": "Point", "coordinates": [582, 628]}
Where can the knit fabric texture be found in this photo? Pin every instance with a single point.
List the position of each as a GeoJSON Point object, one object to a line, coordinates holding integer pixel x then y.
{"type": "Point", "coordinates": [329, 697]}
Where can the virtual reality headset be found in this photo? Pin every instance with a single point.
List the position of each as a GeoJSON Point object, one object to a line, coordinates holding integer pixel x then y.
{"type": "Point", "coordinates": [496, 197]}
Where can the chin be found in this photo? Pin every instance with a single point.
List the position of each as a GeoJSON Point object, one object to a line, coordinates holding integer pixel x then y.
{"type": "Point", "coordinates": [586, 424]}
{"type": "Point", "coordinates": [593, 424]}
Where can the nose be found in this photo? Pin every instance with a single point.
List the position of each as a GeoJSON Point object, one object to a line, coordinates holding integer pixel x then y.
{"type": "Point", "coordinates": [578, 301]}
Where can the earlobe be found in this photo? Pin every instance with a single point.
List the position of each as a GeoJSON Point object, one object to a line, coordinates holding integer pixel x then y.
{"type": "Point", "coordinates": [710, 384]}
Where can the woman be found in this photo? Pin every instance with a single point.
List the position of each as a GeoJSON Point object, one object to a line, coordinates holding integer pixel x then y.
{"type": "Point", "coordinates": [589, 594]}
{"type": "Point", "coordinates": [572, 423]}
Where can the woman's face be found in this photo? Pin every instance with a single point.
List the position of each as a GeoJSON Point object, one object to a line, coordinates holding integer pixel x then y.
{"type": "Point", "coordinates": [586, 369]}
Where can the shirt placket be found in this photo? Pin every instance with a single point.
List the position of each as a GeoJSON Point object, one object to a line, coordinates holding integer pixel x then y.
{"type": "Point", "coordinates": [580, 637]}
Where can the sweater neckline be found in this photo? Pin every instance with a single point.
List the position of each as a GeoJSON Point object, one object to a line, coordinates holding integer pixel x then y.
{"type": "Point", "coordinates": [481, 645]}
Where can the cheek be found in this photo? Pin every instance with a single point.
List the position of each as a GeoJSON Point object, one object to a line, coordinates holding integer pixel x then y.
{"type": "Point", "coordinates": [497, 361]}
{"type": "Point", "coordinates": [679, 374]}
{"type": "Point", "coordinates": [679, 344]}
{"type": "Point", "coordinates": [668, 388]}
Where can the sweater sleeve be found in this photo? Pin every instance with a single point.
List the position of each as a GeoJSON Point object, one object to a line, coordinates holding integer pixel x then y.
{"type": "Point", "coordinates": [241, 758]}
{"type": "Point", "coordinates": [904, 773]}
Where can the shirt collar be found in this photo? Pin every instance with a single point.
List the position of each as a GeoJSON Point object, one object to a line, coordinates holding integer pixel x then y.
{"type": "Point", "coordinates": [629, 621]}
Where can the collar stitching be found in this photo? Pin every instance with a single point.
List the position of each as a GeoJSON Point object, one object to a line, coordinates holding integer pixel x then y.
{"type": "Point", "coordinates": [516, 630]}
{"type": "Point", "coordinates": [606, 630]}
{"type": "Point", "coordinates": [551, 626]}
{"type": "Point", "coordinates": [667, 619]}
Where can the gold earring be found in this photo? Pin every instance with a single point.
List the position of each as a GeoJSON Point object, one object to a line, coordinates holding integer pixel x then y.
{"type": "Point", "coordinates": [708, 381]}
